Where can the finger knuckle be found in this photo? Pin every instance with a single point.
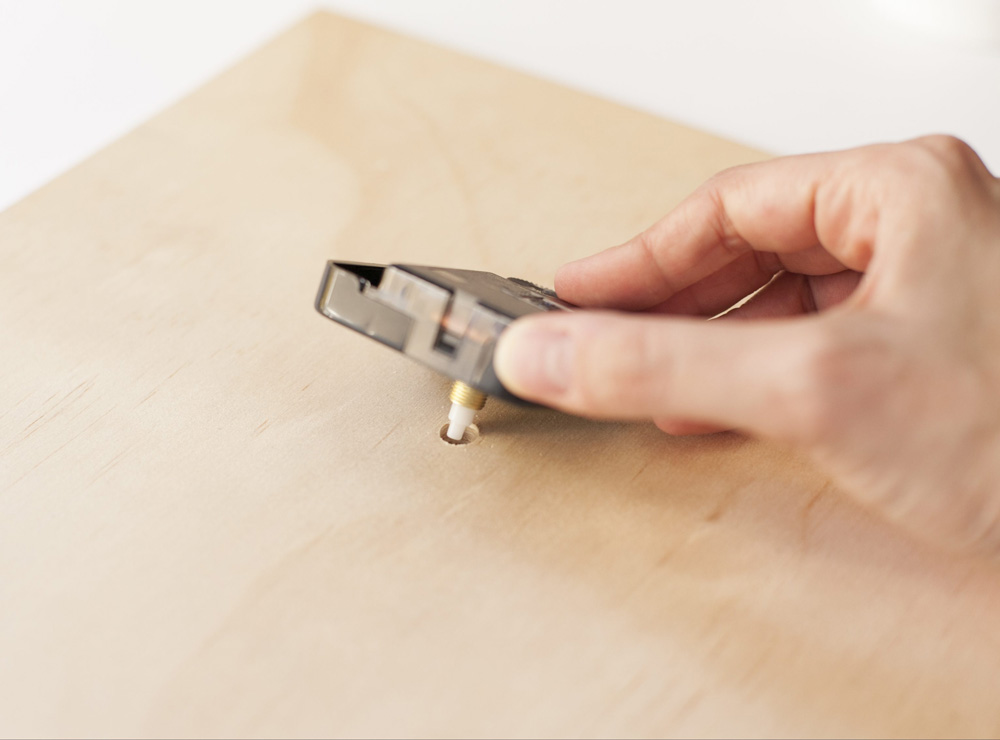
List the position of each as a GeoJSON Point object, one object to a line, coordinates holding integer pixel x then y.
{"type": "Point", "coordinates": [825, 368]}
{"type": "Point", "coordinates": [619, 371]}
{"type": "Point", "coordinates": [725, 176]}
{"type": "Point", "coordinates": [924, 162]}
{"type": "Point", "coordinates": [948, 147]}
{"type": "Point", "coordinates": [846, 370]}
{"type": "Point", "coordinates": [714, 210]}
{"type": "Point", "coordinates": [943, 161]}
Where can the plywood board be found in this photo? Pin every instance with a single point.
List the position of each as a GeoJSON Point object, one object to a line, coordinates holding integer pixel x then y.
{"type": "Point", "coordinates": [221, 514]}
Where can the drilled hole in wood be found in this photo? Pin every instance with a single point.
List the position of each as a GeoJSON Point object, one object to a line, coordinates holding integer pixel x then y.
{"type": "Point", "coordinates": [470, 436]}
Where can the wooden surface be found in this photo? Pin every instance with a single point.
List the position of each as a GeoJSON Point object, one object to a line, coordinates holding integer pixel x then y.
{"type": "Point", "coordinates": [221, 514]}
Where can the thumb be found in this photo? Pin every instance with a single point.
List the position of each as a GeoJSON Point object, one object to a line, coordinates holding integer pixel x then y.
{"type": "Point", "coordinates": [760, 376]}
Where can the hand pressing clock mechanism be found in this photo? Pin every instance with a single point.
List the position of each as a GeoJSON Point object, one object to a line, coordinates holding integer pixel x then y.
{"type": "Point", "coordinates": [447, 319]}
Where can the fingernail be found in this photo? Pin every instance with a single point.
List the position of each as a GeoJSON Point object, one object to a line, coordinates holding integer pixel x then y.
{"type": "Point", "coordinates": [534, 361]}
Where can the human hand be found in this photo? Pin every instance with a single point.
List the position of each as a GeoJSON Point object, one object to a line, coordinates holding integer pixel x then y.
{"type": "Point", "coordinates": [875, 346]}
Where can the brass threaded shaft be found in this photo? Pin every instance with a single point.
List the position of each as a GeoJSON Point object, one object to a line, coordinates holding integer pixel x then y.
{"type": "Point", "coordinates": [466, 395]}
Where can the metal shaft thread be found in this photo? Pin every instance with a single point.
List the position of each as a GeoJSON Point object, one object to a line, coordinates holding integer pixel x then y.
{"type": "Point", "coordinates": [466, 395]}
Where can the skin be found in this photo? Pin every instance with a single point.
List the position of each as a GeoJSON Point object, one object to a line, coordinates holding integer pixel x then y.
{"type": "Point", "coordinates": [874, 347]}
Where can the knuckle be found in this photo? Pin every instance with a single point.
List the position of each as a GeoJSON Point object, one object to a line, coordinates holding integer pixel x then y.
{"type": "Point", "coordinates": [939, 169]}
{"type": "Point", "coordinates": [845, 371]}
{"type": "Point", "coordinates": [724, 176]}
{"type": "Point", "coordinates": [824, 373]}
{"type": "Point", "coordinates": [619, 372]}
{"type": "Point", "coordinates": [943, 160]}
{"type": "Point", "coordinates": [648, 244]}
{"type": "Point", "coordinates": [948, 147]}
{"type": "Point", "coordinates": [712, 198]}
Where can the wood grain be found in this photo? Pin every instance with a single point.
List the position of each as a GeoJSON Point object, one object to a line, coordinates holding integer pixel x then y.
{"type": "Point", "coordinates": [223, 515]}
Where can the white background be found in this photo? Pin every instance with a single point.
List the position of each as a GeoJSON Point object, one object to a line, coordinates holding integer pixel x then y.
{"type": "Point", "coordinates": [783, 75]}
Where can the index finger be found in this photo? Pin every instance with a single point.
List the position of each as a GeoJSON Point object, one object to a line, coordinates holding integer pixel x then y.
{"type": "Point", "coordinates": [768, 207]}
